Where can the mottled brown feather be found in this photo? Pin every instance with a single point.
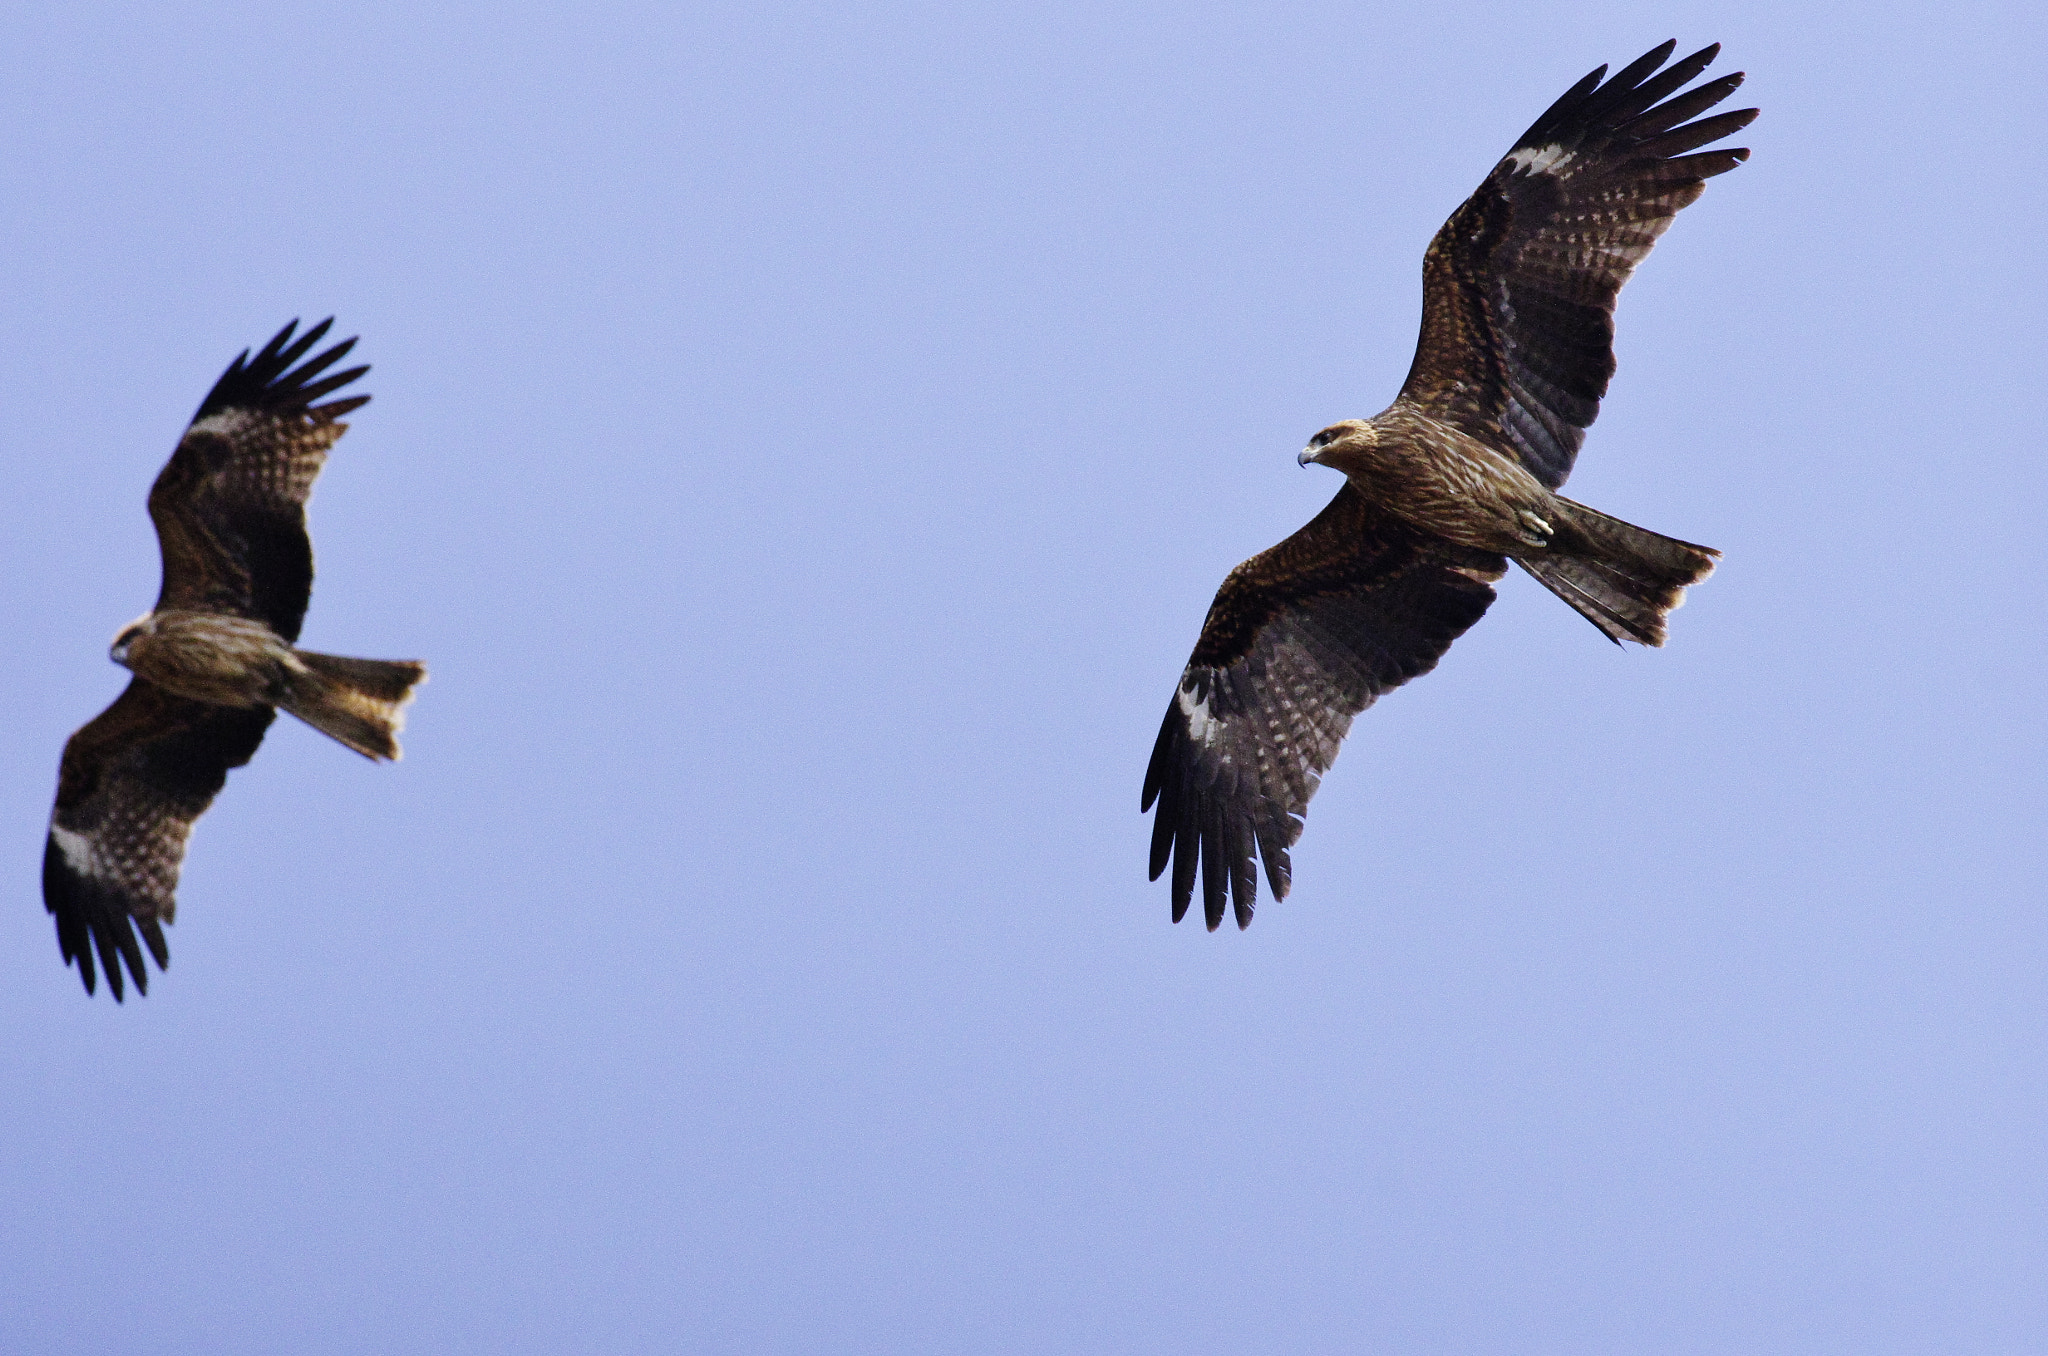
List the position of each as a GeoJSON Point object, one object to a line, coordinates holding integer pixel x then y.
{"type": "Point", "coordinates": [131, 783]}
{"type": "Point", "coordinates": [1299, 640]}
{"type": "Point", "coordinates": [1517, 342]}
{"type": "Point", "coordinates": [229, 506]}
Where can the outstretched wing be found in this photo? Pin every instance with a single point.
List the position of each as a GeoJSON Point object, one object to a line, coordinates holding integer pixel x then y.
{"type": "Point", "coordinates": [131, 783]}
{"type": "Point", "coordinates": [229, 506]}
{"type": "Point", "coordinates": [1518, 287]}
{"type": "Point", "coordinates": [1300, 639]}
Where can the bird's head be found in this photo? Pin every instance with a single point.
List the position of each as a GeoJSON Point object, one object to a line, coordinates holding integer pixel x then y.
{"type": "Point", "coordinates": [130, 633]}
{"type": "Point", "coordinates": [1338, 444]}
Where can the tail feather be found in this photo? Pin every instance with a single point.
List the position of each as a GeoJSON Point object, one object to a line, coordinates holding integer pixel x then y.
{"type": "Point", "coordinates": [1624, 579]}
{"type": "Point", "coordinates": [360, 702]}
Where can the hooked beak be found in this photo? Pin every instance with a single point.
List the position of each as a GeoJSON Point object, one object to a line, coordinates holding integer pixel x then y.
{"type": "Point", "coordinates": [128, 635]}
{"type": "Point", "coordinates": [1307, 457]}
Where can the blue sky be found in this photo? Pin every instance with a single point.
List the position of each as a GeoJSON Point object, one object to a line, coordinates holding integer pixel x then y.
{"type": "Point", "coordinates": [805, 442]}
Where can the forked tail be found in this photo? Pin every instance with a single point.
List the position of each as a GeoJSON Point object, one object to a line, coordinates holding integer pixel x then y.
{"type": "Point", "coordinates": [1622, 578]}
{"type": "Point", "coordinates": [360, 702]}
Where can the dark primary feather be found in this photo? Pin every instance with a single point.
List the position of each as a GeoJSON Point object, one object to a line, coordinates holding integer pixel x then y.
{"type": "Point", "coordinates": [229, 506]}
{"type": "Point", "coordinates": [1519, 286]}
{"type": "Point", "coordinates": [268, 383]}
{"type": "Point", "coordinates": [131, 784]}
{"type": "Point", "coordinates": [1300, 639]}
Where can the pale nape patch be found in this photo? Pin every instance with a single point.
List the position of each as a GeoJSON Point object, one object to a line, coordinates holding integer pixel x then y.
{"type": "Point", "coordinates": [77, 850]}
{"type": "Point", "coordinates": [1546, 160]}
{"type": "Point", "coordinates": [1202, 727]}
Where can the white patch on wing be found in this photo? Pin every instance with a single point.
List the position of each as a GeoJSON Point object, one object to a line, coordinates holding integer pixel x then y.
{"type": "Point", "coordinates": [1202, 727]}
{"type": "Point", "coordinates": [226, 423]}
{"type": "Point", "coordinates": [77, 850]}
{"type": "Point", "coordinates": [1546, 160]}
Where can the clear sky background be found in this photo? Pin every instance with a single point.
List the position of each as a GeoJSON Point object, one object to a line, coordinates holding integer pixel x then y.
{"type": "Point", "coordinates": [805, 441]}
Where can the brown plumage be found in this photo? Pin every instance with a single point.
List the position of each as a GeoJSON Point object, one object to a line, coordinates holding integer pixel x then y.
{"type": "Point", "coordinates": [214, 659]}
{"type": "Point", "coordinates": [1454, 479]}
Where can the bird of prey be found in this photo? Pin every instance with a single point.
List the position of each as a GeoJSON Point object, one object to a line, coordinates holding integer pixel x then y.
{"type": "Point", "coordinates": [214, 659]}
{"type": "Point", "coordinates": [1453, 480]}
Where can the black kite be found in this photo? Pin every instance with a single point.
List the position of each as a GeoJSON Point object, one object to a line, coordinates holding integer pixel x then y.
{"type": "Point", "coordinates": [1456, 478]}
{"type": "Point", "coordinates": [214, 659]}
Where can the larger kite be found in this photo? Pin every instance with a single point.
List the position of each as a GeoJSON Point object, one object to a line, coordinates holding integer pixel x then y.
{"type": "Point", "coordinates": [1453, 480]}
{"type": "Point", "coordinates": [214, 659]}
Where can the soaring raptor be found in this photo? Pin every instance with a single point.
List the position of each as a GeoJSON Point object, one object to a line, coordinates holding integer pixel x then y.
{"type": "Point", "coordinates": [214, 659]}
{"type": "Point", "coordinates": [1453, 480]}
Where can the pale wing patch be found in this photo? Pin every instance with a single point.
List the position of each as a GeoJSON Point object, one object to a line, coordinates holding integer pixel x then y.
{"type": "Point", "coordinates": [136, 849]}
{"type": "Point", "coordinates": [77, 850]}
{"type": "Point", "coordinates": [226, 424]}
{"type": "Point", "coordinates": [1203, 728]}
{"type": "Point", "coordinates": [1543, 160]}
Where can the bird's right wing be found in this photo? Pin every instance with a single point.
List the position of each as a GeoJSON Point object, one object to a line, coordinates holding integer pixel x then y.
{"type": "Point", "coordinates": [132, 782]}
{"type": "Point", "coordinates": [1300, 639]}
{"type": "Point", "coordinates": [230, 505]}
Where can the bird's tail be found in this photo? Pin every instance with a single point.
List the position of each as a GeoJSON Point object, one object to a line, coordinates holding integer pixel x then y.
{"type": "Point", "coordinates": [1622, 578]}
{"type": "Point", "coordinates": [360, 702]}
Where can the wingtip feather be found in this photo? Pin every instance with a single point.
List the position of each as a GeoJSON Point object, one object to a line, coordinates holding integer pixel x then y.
{"type": "Point", "coordinates": [268, 380]}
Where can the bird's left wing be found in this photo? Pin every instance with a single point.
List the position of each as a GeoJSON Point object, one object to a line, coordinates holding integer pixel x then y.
{"type": "Point", "coordinates": [229, 506]}
{"type": "Point", "coordinates": [1300, 639]}
{"type": "Point", "coordinates": [1518, 288]}
{"type": "Point", "coordinates": [132, 781]}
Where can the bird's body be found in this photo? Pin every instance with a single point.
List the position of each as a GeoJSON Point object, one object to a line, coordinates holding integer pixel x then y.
{"type": "Point", "coordinates": [214, 661]}
{"type": "Point", "coordinates": [1457, 477]}
{"type": "Point", "coordinates": [1439, 479]}
{"type": "Point", "coordinates": [1444, 481]}
{"type": "Point", "coordinates": [209, 657]}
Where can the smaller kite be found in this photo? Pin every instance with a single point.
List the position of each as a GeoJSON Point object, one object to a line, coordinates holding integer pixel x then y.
{"type": "Point", "coordinates": [214, 659]}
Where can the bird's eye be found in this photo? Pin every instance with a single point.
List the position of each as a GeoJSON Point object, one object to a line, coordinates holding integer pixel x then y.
{"type": "Point", "coordinates": [1323, 439]}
